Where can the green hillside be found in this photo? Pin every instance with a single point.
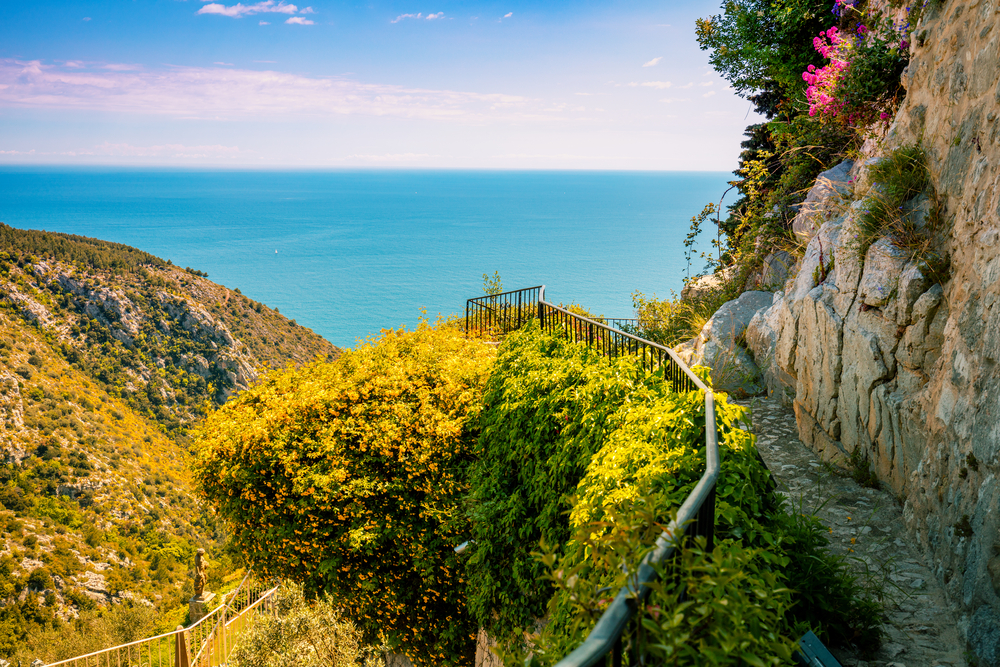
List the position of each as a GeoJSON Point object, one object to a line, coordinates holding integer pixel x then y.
{"type": "Point", "coordinates": [108, 356]}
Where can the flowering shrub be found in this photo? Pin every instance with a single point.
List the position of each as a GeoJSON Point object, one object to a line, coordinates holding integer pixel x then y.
{"type": "Point", "coordinates": [824, 81]}
{"type": "Point", "coordinates": [347, 477]}
{"type": "Point", "coordinates": [860, 85]}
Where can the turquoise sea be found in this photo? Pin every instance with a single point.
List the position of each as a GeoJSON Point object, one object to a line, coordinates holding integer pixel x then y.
{"type": "Point", "coordinates": [349, 252]}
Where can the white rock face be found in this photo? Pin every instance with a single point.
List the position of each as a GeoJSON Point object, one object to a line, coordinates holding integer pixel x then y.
{"type": "Point", "coordinates": [881, 359]}
{"type": "Point", "coordinates": [719, 346]}
{"type": "Point", "coordinates": [831, 190]}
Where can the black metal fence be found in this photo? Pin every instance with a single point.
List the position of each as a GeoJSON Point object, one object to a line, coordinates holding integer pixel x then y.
{"type": "Point", "coordinates": [502, 313]}
{"type": "Point", "coordinates": [499, 314]}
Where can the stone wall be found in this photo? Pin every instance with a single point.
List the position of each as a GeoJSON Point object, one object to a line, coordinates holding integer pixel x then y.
{"type": "Point", "coordinates": [879, 362]}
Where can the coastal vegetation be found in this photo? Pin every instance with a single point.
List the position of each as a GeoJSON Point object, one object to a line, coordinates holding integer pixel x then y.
{"type": "Point", "coordinates": [349, 477]}
{"type": "Point", "coordinates": [826, 76]}
{"type": "Point", "coordinates": [359, 477]}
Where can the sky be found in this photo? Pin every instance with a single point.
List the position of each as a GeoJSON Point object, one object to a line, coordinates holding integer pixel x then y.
{"type": "Point", "coordinates": [411, 83]}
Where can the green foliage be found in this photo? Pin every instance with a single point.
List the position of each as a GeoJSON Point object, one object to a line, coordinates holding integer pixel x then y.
{"type": "Point", "coordinates": [91, 631]}
{"type": "Point", "coordinates": [871, 89]}
{"type": "Point", "coordinates": [297, 632]}
{"type": "Point", "coordinates": [347, 477]}
{"type": "Point", "coordinates": [103, 255]}
{"type": "Point", "coordinates": [761, 46]}
{"type": "Point", "coordinates": [492, 286]}
{"type": "Point", "coordinates": [899, 177]}
{"type": "Point", "coordinates": [547, 408]}
{"type": "Point", "coordinates": [673, 321]}
{"type": "Point", "coordinates": [59, 510]}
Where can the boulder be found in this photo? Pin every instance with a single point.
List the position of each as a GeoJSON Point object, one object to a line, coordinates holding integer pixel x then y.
{"type": "Point", "coordinates": [720, 346]}
{"type": "Point", "coordinates": [831, 190]}
{"type": "Point", "coordinates": [762, 337]}
{"type": "Point", "coordinates": [773, 273]}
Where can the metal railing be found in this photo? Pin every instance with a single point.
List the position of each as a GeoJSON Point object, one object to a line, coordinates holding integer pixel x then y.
{"type": "Point", "coordinates": [206, 643]}
{"type": "Point", "coordinates": [499, 314]}
{"type": "Point", "coordinates": [696, 516]}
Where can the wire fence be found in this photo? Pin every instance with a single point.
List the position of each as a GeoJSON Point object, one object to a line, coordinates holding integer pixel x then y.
{"type": "Point", "coordinates": [614, 633]}
{"type": "Point", "coordinates": [206, 643]}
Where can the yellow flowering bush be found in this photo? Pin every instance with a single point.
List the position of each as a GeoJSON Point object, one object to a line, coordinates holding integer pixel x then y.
{"type": "Point", "coordinates": [347, 477]}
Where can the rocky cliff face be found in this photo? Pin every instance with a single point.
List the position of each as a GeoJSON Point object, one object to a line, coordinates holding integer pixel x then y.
{"type": "Point", "coordinates": [888, 366]}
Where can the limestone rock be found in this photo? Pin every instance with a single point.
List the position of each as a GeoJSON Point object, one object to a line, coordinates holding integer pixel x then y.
{"type": "Point", "coordinates": [773, 273]}
{"type": "Point", "coordinates": [884, 264]}
{"type": "Point", "coordinates": [718, 345]}
{"type": "Point", "coordinates": [832, 188]}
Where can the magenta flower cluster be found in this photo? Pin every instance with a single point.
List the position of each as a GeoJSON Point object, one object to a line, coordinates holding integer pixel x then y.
{"type": "Point", "coordinates": [823, 81]}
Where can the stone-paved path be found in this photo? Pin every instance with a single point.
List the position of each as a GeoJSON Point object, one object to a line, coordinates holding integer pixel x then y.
{"type": "Point", "coordinates": [868, 527]}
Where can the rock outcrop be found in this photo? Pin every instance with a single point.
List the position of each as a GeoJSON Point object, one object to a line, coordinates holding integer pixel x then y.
{"type": "Point", "coordinates": [720, 346]}
{"type": "Point", "coordinates": [884, 364]}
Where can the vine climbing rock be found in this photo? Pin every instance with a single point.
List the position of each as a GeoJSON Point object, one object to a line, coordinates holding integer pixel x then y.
{"type": "Point", "coordinates": [866, 526]}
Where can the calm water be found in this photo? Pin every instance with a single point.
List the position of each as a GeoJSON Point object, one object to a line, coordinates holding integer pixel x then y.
{"type": "Point", "coordinates": [349, 252]}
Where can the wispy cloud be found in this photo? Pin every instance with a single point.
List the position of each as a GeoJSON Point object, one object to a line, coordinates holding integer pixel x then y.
{"type": "Point", "coordinates": [686, 86]}
{"type": "Point", "coordinates": [671, 100]}
{"type": "Point", "coordinates": [507, 15]}
{"type": "Point", "coordinates": [231, 93]}
{"type": "Point", "coordinates": [263, 23]}
{"type": "Point", "coordinates": [418, 15]}
{"type": "Point", "coordinates": [85, 18]}
{"type": "Point", "coordinates": [239, 10]}
{"type": "Point", "coordinates": [653, 62]}
{"type": "Point", "coordinates": [118, 67]}
{"type": "Point", "coordinates": [222, 63]}
{"type": "Point", "coordinates": [298, 20]}
{"type": "Point", "coordinates": [390, 157]}
{"type": "Point", "coordinates": [709, 93]}
{"type": "Point", "coordinates": [705, 83]}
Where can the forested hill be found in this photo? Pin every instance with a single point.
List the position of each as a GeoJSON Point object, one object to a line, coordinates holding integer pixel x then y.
{"type": "Point", "coordinates": [108, 356]}
{"type": "Point", "coordinates": [164, 339]}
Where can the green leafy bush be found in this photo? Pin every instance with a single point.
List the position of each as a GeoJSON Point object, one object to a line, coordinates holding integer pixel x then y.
{"type": "Point", "coordinates": [547, 408]}
{"type": "Point", "coordinates": [348, 477]}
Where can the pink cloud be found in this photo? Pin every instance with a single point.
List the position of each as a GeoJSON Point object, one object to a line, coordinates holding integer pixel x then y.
{"type": "Point", "coordinates": [298, 20]}
{"type": "Point", "coordinates": [231, 93]}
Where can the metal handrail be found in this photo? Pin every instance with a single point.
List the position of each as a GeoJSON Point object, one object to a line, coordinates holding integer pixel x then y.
{"type": "Point", "coordinates": [696, 513]}
{"type": "Point", "coordinates": [171, 649]}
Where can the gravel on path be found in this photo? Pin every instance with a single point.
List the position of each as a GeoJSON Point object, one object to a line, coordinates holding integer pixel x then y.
{"type": "Point", "coordinates": [866, 526]}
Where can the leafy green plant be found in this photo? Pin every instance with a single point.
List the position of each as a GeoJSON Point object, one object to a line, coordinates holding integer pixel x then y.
{"type": "Point", "coordinates": [348, 476]}
{"type": "Point", "coordinates": [673, 321]}
{"type": "Point", "coordinates": [492, 285]}
{"type": "Point", "coordinates": [547, 408]}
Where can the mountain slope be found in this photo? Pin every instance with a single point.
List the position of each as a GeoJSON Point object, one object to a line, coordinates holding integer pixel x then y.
{"type": "Point", "coordinates": [107, 356]}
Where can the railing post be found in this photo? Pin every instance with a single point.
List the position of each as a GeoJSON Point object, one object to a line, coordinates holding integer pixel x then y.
{"type": "Point", "coordinates": [541, 315]}
{"type": "Point", "coordinates": [180, 648]}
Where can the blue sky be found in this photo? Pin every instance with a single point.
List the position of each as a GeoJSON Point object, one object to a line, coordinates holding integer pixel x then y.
{"type": "Point", "coordinates": [414, 83]}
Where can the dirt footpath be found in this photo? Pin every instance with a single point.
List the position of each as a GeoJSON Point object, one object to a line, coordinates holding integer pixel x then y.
{"type": "Point", "coordinates": [867, 525]}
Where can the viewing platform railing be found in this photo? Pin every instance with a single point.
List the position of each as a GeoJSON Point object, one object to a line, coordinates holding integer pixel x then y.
{"type": "Point", "coordinates": [206, 643]}
{"type": "Point", "coordinates": [499, 314]}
